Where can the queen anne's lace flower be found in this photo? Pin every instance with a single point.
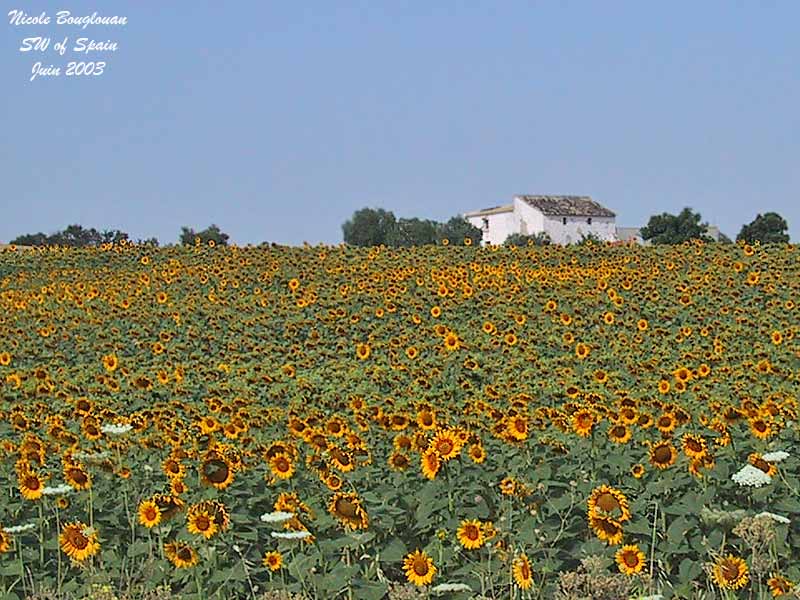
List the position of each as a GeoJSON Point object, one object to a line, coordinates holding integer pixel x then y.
{"type": "Point", "coordinates": [451, 587]}
{"type": "Point", "coordinates": [57, 490]}
{"type": "Point", "coordinates": [777, 456]}
{"type": "Point", "coordinates": [291, 535]}
{"type": "Point", "coordinates": [276, 517]}
{"type": "Point", "coordinates": [20, 528]}
{"type": "Point", "coordinates": [116, 429]}
{"type": "Point", "coordinates": [774, 517]}
{"type": "Point", "coordinates": [751, 476]}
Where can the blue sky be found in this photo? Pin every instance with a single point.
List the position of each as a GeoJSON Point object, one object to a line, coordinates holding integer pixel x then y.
{"type": "Point", "coordinates": [277, 120]}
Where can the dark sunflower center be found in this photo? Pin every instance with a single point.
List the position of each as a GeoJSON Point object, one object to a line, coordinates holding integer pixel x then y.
{"type": "Point", "coordinates": [420, 566]}
{"type": "Point", "coordinates": [202, 523]}
{"type": "Point", "coordinates": [607, 502]}
{"type": "Point", "coordinates": [345, 508]}
{"type": "Point", "coordinates": [662, 454]}
{"type": "Point", "coordinates": [730, 570]}
{"type": "Point", "coordinates": [215, 470]}
{"type": "Point", "coordinates": [472, 532]}
{"type": "Point", "coordinates": [631, 559]}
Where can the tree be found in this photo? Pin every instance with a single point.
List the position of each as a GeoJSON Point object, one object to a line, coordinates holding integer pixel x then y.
{"type": "Point", "coordinates": [369, 227]}
{"type": "Point", "coordinates": [457, 230]}
{"type": "Point", "coordinates": [212, 232]}
{"type": "Point", "coordinates": [412, 232]}
{"type": "Point", "coordinates": [519, 239]}
{"type": "Point", "coordinates": [31, 239]}
{"type": "Point", "coordinates": [767, 228]}
{"type": "Point", "coordinates": [675, 229]}
{"type": "Point", "coordinates": [74, 236]}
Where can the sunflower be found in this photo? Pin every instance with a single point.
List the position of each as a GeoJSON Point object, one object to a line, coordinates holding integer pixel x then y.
{"type": "Point", "coordinates": [201, 522]}
{"type": "Point", "coordinates": [426, 420]}
{"type": "Point", "coordinates": [447, 444]}
{"type": "Point", "coordinates": [5, 540]}
{"type": "Point", "coordinates": [608, 501]}
{"type": "Point", "coordinates": [76, 475]}
{"type": "Point", "coordinates": [430, 462]}
{"type": "Point", "coordinates": [180, 554]}
{"type": "Point", "coordinates": [663, 455]}
{"type": "Point", "coordinates": [730, 572]}
{"type": "Point", "coordinates": [663, 386]}
{"type": "Point", "coordinates": [581, 350]}
{"type": "Point", "coordinates": [217, 471]}
{"type": "Point", "coordinates": [273, 560]}
{"type": "Point", "coordinates": [451, 341]}
{"type": "Point", "coordinates": [78, 541]}
{"type": "Point", "coordinates": [637, 470]}
{"type": "Point", "coordinates": [110, 362]}
{"type": "Point", "coordinates": [694, 446]}
{"type": "Point", "coordinates": [399, 461]}
{"type": "Point", "coordinates": [517, 427]}
{"type": "Point", "coordinates": [582, 422]}
{"type": "Point", "coordinates": [666, 423]}
{"type": "Point", "coordinates": [523, 574]}
{"type": "Point", "coordinates": [419, 568]}
{"type": "Point", "coordinates": [761, 428]}
{"type": "Point", "coordinates": [470, 534]}
{"type": "Point", "coordinates": [477, 453]}
{"type": "Point", "coordinates": [149, 514]}
{"type": "Point", "coordinates": [619, 433]}
{"type": "Point", "coordinates": [779, 585]}
{"type": "Point", "coordinates": [606, 528]}
{"type": "Point", "coordinates": [31, 484]}
{"type": "Point", "coordinates": [346, 507]}
{"type": "Point", "coordinates": [363, 351]}
{"type": "Point", "coordinates": [630, 559]}
{"type": "Point", "coordinates": [281, 466]}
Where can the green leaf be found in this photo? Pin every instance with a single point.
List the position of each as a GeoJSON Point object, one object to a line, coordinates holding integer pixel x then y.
{"type": "Point", "coordinates": [394, 551]}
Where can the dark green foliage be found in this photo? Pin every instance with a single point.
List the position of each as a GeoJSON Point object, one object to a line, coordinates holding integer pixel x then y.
{"type": "Point", "coordinates": [213, 232]}
{"type": "Point", "coordinates": [412, 232]}
{"type": "Point", "coordinates": [74, 236]}
{"type": "Point", "coordinates": [369, 227]}
{"type": "Point", "coordinates": [675, 229]}
{"type": "Point", "coordinates": [458, 229]}
{"type": "Point", "coordinates": [767, 228]}
{"type": "Point", "coordinates": [375, 227]}
{"type": "Point", "coordinates": [537, 239]}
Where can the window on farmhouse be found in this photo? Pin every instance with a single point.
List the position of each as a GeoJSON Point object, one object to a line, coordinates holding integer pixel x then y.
{"type": "Point", "coordinates": [564, 220]}
{"type": "Point", "coordinates": [485, 223]}
{"type": "Point", "coordinates": [589, 221]}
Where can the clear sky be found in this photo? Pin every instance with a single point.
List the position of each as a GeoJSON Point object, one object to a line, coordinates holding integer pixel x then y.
{"type": "Point", "coordinates": [277, 120]}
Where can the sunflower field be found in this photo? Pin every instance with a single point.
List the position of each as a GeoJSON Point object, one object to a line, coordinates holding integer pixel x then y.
{"type": "Point", "coordinates": [593, 421]}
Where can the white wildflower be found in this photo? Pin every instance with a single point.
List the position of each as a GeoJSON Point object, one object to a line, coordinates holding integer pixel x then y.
{"type": "Point", "coordinates": [774, 517]}
{"type": "Point", "coordinates": [278, 516]}
{"type": "Point", "coordinates": [777, 456]}
{"type": "Point", "coordinates": [57, 490]}
{"type": "Point", "coordinates": [116, 429]}
{"type": "Point", "coordinates": [291, 535]}
{"type": "Point", "coordinates": [20, 528]}
{"type": "Point", "coordinates": [451, 587]}
{"type": "Point", "coordinates": [752, 476]}
{"type": "Point", "coordinates": [91, 457]}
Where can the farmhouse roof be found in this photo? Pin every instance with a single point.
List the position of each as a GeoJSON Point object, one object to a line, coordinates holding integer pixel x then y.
{"type": "Point", "coordinates": [493, 210]}
{"type": "Point", "coordinates": [567, 206]}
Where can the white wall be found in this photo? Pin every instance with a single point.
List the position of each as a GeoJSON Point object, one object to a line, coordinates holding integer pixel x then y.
{"type": "Point", "coordinates": [576, 227]}
{"type": "Point", "coordinates": [532, 218]}
{"type": "Point", "coordinates": [501, 225]}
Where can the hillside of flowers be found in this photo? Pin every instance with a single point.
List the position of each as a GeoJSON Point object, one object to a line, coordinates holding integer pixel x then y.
{"type": "Point", "coordinates": [330, 422]}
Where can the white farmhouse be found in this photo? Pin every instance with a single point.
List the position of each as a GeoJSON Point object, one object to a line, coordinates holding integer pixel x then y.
{"type": "Point", "coordinates": [566, 219]}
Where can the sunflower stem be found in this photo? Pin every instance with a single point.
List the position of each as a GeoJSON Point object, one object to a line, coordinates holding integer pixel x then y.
{"type": "Point", "coordinates": [653, 546]}
{"type": "Point", "coordinates": [41, 533]}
